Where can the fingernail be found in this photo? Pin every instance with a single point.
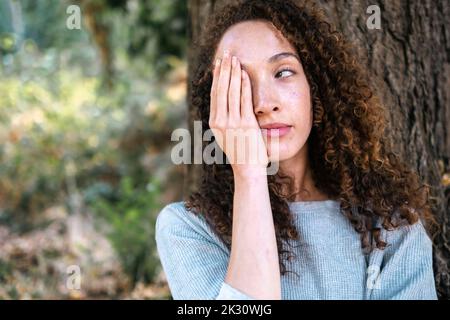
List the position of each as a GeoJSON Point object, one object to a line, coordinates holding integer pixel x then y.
{"type": "Point", "coordinates": [217, 62]}
{"type": "Point", "coordinates": [233, 61]}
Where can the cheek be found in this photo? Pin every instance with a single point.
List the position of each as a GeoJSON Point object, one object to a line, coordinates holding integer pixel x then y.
{"type": "Point", "coordinates": [300, 113]}
{"type": "Point", "coordinates": [300, 107]}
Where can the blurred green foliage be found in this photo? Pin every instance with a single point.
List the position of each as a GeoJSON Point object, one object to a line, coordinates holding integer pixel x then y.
{"type": "Point", "coordinates": [147, 37]}
{"type": "Point", "coordinates": [64, 133]}
{"type": "Point", "coordinates": [129, 211]}
{"type": "Point", "coordinates": [53, 130]}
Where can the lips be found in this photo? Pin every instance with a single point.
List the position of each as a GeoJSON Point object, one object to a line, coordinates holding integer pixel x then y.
{"type": "Point", "coordinates": [275, 129]}
{"type": "Point", "coordinates": [274, 125]}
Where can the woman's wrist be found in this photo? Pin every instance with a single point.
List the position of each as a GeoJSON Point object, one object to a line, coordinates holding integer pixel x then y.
{"type": "Point", "coordinates": [250, 173]}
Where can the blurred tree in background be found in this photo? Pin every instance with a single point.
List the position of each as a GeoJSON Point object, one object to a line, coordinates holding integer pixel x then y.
{"type": "Point", "coordinates": [85, 123]}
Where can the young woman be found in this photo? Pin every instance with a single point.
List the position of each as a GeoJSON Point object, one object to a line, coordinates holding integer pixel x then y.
{"type": "Point", "coordinates": [343, 218]}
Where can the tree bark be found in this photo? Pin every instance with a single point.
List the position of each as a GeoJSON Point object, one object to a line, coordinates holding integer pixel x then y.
{"type": "Point", "coordinates": [409, 58]}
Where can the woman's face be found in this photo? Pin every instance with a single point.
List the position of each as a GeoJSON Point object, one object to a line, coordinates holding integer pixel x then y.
{"type": "Point", "coordinates": [280, 89]}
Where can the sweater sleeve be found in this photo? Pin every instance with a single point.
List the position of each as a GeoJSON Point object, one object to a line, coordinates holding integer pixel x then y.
{"type": "Point", "coordinates": [194, 264]}
{"type": "Point", "coordinates": [405, 268]}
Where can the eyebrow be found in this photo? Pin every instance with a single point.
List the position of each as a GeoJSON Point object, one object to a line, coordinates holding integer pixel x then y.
{"type": "Point", "coordinates": [282, 55]}
{"type": "Point", "coordinates": [277, 57]}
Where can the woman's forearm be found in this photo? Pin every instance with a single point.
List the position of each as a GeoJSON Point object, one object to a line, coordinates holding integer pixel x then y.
{"type": "Point", "coordinates": [253, 267]}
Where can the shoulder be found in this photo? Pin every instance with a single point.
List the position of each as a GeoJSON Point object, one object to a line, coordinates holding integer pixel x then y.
{"type": "Point", "coordinates": [410, 242]}
{"type": "Point", "coordinates": [409, 233]}
{"type": "Point", "coordinates": [175, 214]}
{"type": "Point", "coordinates": [175, 221]}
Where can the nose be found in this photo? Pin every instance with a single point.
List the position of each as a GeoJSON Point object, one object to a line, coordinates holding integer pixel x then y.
{"type": "Point", "coordinates": [263, 98]}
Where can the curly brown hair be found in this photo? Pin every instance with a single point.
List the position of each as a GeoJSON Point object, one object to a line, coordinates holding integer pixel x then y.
{"type": "Point", "coordinates": [351, 160]}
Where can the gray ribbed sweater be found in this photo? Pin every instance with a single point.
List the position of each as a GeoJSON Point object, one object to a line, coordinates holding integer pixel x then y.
{"type": "Point", "coordinates": [329, 263]}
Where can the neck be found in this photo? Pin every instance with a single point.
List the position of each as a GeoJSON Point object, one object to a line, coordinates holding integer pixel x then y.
{"type": "Point", "coordinates": [299, 169]}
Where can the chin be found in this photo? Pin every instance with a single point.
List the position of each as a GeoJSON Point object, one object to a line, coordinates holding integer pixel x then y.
{"type": "Point", "coordinates": [282, 155]}
{"type": "Point", "coordinates": [283, 152]}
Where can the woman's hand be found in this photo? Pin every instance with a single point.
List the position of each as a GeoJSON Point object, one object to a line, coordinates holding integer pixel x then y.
{"type": "Point", "coordinates": [232, 120]}
{"type": "Point", "coordinates": [253, 267]}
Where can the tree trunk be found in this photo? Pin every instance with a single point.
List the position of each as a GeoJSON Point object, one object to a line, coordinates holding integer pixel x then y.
{"type": "Point", "coordinates": [409, 58]}
{"type": "Point", "coordinates": [100, 31]}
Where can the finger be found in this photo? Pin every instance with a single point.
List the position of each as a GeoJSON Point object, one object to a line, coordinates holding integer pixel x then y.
{"type": "Point", "coordinates": [234, 94]}
{"type": "Point", "coordinates": [246, 97]}
{"type": "Point", "coordinates": [222, 89]}
{"type": "Point", "coordinates": [213, 95]}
